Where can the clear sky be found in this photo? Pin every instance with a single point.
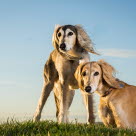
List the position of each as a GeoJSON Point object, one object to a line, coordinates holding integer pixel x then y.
{"type": "Point", "coordinates": [26, 29]}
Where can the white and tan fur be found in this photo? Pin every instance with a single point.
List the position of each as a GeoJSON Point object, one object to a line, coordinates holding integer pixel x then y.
{"type": "Point", "coordinates": [72, 45]}
{"type": "Point", "coordinates": [117, 99]}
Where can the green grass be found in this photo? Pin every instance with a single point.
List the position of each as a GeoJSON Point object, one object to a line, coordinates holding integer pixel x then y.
{"type": "Point", "coordinates": [50, 128]}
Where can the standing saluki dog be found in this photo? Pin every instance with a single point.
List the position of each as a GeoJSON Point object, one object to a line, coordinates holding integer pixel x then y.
{"type": "Point", "coordinates": [117, 99]}
{"type": "Point", "coordinates": [72, 45]}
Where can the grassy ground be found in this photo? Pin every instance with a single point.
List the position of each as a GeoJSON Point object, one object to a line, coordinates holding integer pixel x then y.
{"type": "Point", "coordinates": [49, 128]}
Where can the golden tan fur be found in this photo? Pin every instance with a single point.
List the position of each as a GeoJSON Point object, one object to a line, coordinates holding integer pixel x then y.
{"type": "Point", "coordinates": [118, 106]}
{"type": "Point", "coordinates": [71, 45]}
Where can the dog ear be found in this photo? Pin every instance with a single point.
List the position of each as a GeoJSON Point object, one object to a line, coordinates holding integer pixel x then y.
{"type": "Point", "coordinates": [108, 73]}
{"type": "Point", "coordinates": [84, 40]}
{"type": "Point", "coordinates": [78, 75]}
{"type": "Point", "coordinates": [54, 40]}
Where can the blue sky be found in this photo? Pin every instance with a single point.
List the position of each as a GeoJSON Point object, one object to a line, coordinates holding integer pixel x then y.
{"type": "Point", "coordinates": [26, 29]}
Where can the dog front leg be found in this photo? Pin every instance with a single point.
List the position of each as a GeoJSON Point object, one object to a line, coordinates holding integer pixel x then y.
{"type": "Point", "coordinates": [106, 114]}
{"type": "Point", "coordinates": [47, 88]}
{"type": "Point", "coordinates": [63, 113]}
{"type": "Point", "coordinates": [88, 101]}
{"type": "Point", "coordinates": [69, 98]}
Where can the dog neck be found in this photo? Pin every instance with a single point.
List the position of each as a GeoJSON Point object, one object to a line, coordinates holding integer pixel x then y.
{"type": "Point", "coordinates": [105, 90]}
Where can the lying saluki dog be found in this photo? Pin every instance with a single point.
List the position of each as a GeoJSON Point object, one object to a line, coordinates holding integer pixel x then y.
{"type": "Point", "coordinates": [72, 45]}
{"type": "Point", "coordinates": [117, 99]}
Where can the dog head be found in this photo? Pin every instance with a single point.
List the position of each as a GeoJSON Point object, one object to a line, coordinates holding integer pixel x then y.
{"type": "Point", "coordinates": [72, 40]}
{"type": "Point", "coordinates": [92, 75]}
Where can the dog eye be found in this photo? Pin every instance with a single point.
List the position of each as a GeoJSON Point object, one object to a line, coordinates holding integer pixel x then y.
{"type": "Point", "coordinates": [84, 73]}
{"type": "Point", "coordinates": [96, 73]}
{"type": "Point", "coordinates": [70, 33]}
{"type": "Point", "coordinates": [59, 34]}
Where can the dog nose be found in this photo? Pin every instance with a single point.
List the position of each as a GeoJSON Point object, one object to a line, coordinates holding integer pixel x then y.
{"type": "Point", "coordinates": [63, 46]}
{"type": "Point", "coordinates": [88, 89]}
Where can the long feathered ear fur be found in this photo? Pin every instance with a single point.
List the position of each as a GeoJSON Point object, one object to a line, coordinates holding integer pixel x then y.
{"type": "Point", "coordinates": [84, 40]}
{"type": "Point", "coordinates": [54, 41]}
{"type": "Point", "coordinates": [78, 75]}
{"type": "Point", "coordinates": [108, 73]}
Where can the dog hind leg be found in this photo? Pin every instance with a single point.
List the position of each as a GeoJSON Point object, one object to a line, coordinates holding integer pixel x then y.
{"type": "Point", "coordinates": [47, 88]}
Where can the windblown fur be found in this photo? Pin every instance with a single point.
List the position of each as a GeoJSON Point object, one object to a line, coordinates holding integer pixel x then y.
{"type": "Point", "coordinates": [72, 45]}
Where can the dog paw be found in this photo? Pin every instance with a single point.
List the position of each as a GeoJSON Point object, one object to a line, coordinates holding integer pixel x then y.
{"type": "Point", "coordinates": [36, 118]}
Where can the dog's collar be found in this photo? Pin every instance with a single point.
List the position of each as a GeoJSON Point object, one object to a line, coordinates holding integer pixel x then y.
{"type": "Point", "coordinates": [107, 92]}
